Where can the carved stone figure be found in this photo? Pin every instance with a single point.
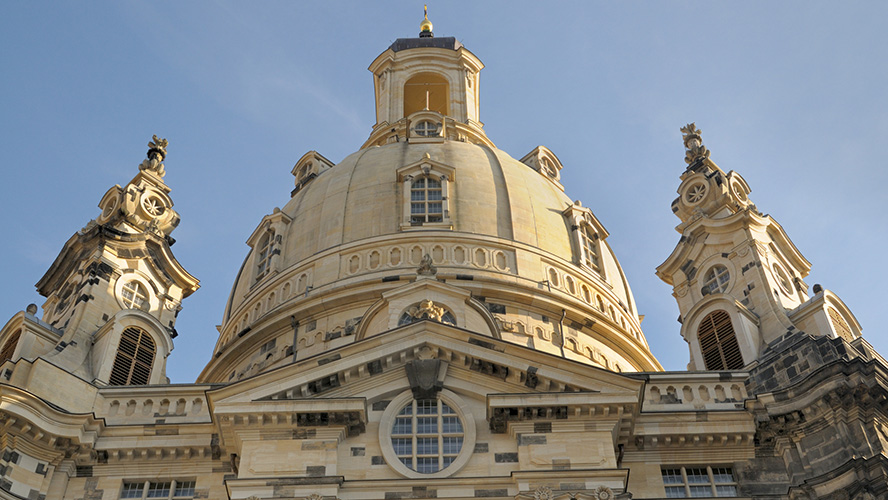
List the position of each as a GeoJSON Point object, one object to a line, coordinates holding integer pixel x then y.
{"type": "Point", "coordinates": [425, 266]}
{"type": "Point", "coordinates": [427, 310]}
{"type": "Point", "coordinates": [693, 142]}
{"type": "Point", "coordinates": [156, 154]}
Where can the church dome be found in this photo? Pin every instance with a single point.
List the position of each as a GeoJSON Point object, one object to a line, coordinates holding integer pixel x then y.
{"type": "Point", "coordinates": [428, 210]}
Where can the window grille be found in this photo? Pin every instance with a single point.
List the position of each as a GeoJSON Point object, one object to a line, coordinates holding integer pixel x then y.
{"type": "Point", "coordinates": [263, 255]}
{"type": "Point", "coordinates": [589, 241]}
{"type": "Point", "coordinates": [699, 482]}
{"type": "Point", "coordinates": [427, 435]}
{"type": "Point", "coordinates": [426, 200]}
{"type": "Point", "coordinates": [717, 279]}
{"type": "Point", "coordinates": [719, 343]}
{"type": "Point", "coordinates": [134, 296]}
{"type": "Point", "coordinates": [170, 490]}
{"type": "Point", "coordinates": [135, 356]}
{"type": "Point", "coordinates": [426, 129]}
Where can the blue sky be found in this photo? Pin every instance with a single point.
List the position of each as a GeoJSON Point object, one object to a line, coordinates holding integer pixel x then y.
{"type": "Point", "coordinates": [792, 95]}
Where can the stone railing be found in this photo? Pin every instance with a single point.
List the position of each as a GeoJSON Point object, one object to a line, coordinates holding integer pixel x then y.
{"type": "Point", "coordinates": [695, 391]}
{"type": "Point", "coordinates": [139, 405]}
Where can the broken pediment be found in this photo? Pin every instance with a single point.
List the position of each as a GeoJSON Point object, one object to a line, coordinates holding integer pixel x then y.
{"type": "Point", "coordinates": [427, 299]}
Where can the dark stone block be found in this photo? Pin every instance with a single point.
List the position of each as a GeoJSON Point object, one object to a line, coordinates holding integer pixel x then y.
{"type": "Point", "coordinates": [377, 460]}
{"type": "Point", "coordinates": [304, 433]}
{"type": "Point", "coordinates": [561, 464]}
{"type": "Point", "coordinates": [491, 493]}
{"type": "Point", "coordinates": [539, 427]}
{"type": "Point", "coordinates": [528, 439]}
{"type": "Point", "coordinates": [84, 471]}
{"type": "Point", "coordinates": [496, 308]}
{"type": "Point", "coordinates": [358, 452]}
{"type": "Point", "coordinates": [316, 470]}
{"type": "Point", "coordinates": [481, 343]}
{"type": "Point", "coordinates": [481, 448]}
{"type": "Point", "coordinates": [424, 492]}
{"type": "Point", "coordinates": [328, 360]}
{"type": "Point", "coordinates": [313, 445]}
{"type": "Point", "coordinates": [502, 458]}
{"type": "Point", "coordinates": [380, 405]}
{"type": "Point", "coordinates": [572, 486]}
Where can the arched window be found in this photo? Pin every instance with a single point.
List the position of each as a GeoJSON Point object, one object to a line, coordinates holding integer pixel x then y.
{"type": "Point", "coordinates": [589, 241]}
{"type": "Point", "coordinates": [263, 254]}
{"type": "Point", "coordinates": [717, 279]}
{"type": "Point", "coordinates": [135, 355]}
{"type": "Point", "coordinates": [426, 91]}
{"type": "Point", "coordinates": [10, 345]}
{"type": "Point", "coordinates": [426, 200]}
{"type": "Point", "coordinates": [134, 296]}
{"type": "Point", "coordinates": [719, 343]}
{"type": "Point", "coordinates": [303, 172]}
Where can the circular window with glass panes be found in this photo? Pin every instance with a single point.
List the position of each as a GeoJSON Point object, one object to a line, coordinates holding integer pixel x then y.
{"type": "Point", "coordinates": [426, 437]}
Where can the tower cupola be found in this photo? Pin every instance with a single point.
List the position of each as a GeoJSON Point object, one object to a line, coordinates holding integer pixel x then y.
{"type": "Point", "coordinates": [426, 90]}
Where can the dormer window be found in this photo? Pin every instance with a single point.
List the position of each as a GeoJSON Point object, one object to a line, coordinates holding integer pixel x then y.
{"type": "Point", "coordinates": [426, 129]}
{"type": "Point", "coordinates": [426, 188]}
{"type": "Point", "coordinates": [589, 240]}
{"type": "Point", "coordinates": [426, 200]}
{"type": "Point", "coordinates": [303, 172]}
{"type": "Point", "coordinates": [263, 255]}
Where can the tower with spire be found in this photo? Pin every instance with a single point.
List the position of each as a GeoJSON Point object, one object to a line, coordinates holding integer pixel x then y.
{"type": "Point", "coordinates": [737, 276]}
{"type": "Point", "coordinates": [115, 289]}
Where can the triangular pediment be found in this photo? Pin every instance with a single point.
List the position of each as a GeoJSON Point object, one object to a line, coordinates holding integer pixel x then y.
{"type": "Point", "coordinates": [494, 367]}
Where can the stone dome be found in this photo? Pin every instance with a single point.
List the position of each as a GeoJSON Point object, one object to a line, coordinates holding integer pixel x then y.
{"type": "Point", "coordinates": [428, 210]}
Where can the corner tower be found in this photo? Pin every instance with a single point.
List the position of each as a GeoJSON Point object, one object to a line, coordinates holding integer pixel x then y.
{"type": "Point", "coordinates": [737, 277]}
{"type": "Point", "coordinates": [114, 291]}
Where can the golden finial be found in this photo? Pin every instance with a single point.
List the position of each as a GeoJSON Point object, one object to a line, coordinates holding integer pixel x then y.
{"type": "Point", "coordinates": [426, 25]}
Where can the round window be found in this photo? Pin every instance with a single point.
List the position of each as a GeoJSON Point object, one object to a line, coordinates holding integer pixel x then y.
{"type": "Point", "coordinates": [427, 435]}
{"type": "Point", "coordinates": [782, 278]}
{"type": "Point", "coordinates": [739, 192]}
{"type": "Point", "coordinates": [108, 209]}
{"type": "Point", "coordinates": [134, 296]}
{"type": "Point", "coordinates": [695, 193]}
{"type": "Point", "coordinates": [717, 279]}
{"type": "Point", "coordinates": [153, 206]}
{"type": "Point", "coordinates": [423, 438]}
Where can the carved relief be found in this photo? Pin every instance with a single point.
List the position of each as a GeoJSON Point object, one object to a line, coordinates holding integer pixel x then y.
{"type": "Point", "coordinates": [543, 493]}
